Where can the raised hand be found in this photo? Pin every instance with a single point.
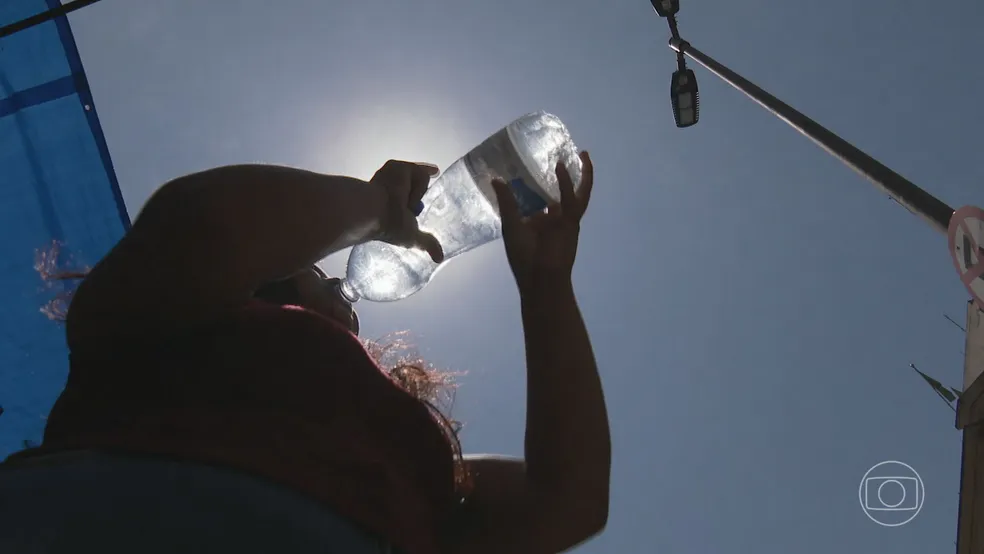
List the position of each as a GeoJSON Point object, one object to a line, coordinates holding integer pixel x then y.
{"type": "Point", "coordinates": [405, 184]}
{"type": "Point", "coordinates": [541, 248]}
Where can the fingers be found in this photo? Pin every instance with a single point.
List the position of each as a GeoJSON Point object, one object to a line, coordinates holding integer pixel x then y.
{"type": "Point", "coordinates": [587, 180]}
{"type": "Point", "coordinates": [415, 176]}
{"type": "Point", "coordinates": [420, 178]}
{"type": "Point", "coordinates": [430, 244]}
{"type": "Point", "coordinates": [431, 169]}
{"type": "Point", "coordinates": [568, 201]}
{"type": "Point", "coordinates": [508, 207]}
{"type": "Point", "coordinates": [401, 166]}
{"type": "Point", "coordinates": [576, 203]}
{"type": "Point", "coordinates": [419, 181]}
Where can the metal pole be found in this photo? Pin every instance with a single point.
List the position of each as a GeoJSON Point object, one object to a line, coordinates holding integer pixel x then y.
{"type": "Point", "coordinates": [970, 412]}
{"type": "Point", "coordinates": [916, 200]}
{"type": "Point", "coordinates": [970, 416]}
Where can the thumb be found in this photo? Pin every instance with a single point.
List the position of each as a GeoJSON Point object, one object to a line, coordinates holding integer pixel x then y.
{"type": "Point", "coordinates": [429, 243]}
{"type": "Point", "coordinates": [508, 207]}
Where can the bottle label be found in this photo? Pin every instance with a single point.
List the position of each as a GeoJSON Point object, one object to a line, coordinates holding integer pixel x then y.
{"type": "Point", "coordinates": [497, 157]}
{"type": "Point", "coordinates": [529, 201]}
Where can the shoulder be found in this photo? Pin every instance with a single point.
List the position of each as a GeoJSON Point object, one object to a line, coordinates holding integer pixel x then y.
{"type": "Point", "coordinates": [254, 324]}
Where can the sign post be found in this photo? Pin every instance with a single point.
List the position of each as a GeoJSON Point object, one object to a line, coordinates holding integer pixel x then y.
{"type": "Point", "coordinates": [970, 415]}
{"type": "Point", "coordinates": [966, 239]}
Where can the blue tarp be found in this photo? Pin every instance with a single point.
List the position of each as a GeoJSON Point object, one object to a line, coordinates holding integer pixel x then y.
{"type": "Point", "coordinates": [57, 186]}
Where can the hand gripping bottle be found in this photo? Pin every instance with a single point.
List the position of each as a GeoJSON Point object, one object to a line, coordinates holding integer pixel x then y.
{"type": "Point", "coordinates": [460, 207]}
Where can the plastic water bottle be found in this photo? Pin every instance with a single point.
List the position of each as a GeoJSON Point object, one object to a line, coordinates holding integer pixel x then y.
{"type": "Point", "coordinates": [460, 207]}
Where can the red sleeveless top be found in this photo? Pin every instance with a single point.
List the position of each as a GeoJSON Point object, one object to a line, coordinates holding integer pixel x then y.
{"type": "Point", "coordinates": [279, 392]}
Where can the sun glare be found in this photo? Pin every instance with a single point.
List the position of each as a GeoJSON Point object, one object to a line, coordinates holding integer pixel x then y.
{"type": "Point", "coordinates": [361, 141]}
{"type": "Point", "coordinates": [356, 140]}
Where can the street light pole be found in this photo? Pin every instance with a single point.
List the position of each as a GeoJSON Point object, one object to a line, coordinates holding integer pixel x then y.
{"type": "Point", "coordinates": [931, 209]}
{"type": "Point", "coordinates": [970, 410]}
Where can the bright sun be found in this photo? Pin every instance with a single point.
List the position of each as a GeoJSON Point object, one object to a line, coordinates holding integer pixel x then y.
{"type": "Point", "coordinates": [360, 142]}
{"type": "Point", "coordinates": [356, 140]}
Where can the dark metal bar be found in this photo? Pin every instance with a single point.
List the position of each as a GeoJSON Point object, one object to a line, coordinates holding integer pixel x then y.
{"type": "Point", "coordinates": [40, 18]}
{"type": "Point", "coordinates": [928, 207]}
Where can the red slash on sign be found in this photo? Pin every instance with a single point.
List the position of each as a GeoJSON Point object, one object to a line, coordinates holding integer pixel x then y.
{"type": "Point", "coordinates": [967, 249]}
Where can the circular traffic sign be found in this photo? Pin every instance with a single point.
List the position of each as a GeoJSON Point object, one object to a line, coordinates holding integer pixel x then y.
{"type": "Point", "coordinates": [966, 236]}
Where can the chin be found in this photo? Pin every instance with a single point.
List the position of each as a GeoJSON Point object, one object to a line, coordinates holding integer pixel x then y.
{"type": "Point", "coordinates": [349, 322]}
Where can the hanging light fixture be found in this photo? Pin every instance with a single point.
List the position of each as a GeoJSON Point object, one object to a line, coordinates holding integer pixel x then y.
{"type": "Point", "coordinates": [666, 8]}
{"type": "Point", "coordinates": [684, 97]}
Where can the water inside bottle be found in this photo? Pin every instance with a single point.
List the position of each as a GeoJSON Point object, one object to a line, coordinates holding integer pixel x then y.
{"type": "Point", "coordinates": [455, 211]}
{"type": "Point", "coordinates": [460, 208]}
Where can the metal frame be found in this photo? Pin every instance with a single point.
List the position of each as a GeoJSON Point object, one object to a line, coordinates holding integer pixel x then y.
{"type": "Point", "coordinates": [27, 23]}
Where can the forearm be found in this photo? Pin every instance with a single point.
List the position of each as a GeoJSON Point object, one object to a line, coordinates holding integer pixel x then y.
{"type": "Point", "coordinates": [275, 220]}
{"type": "Point", "coordinates": [568, 447]}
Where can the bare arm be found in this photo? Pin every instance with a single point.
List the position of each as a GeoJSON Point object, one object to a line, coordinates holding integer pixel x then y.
{"type": "Point", "coordinates": [568, 447]}
{"type": "Point", "coordinates": [203, 243]}
{"type": "Point", "coordinates": [558, 496]}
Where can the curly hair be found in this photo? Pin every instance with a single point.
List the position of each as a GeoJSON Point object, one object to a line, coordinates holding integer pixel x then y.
{"type": "Point", "coordinates": [432, 386]}
{"type": "Point", "coordinates": [50, 267]}
{"type": "Point", "coordinates": [393, 353]}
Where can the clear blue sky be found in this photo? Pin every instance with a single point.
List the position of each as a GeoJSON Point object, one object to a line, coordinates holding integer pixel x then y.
{"type": "Point", "coordinates": [753, 303]}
